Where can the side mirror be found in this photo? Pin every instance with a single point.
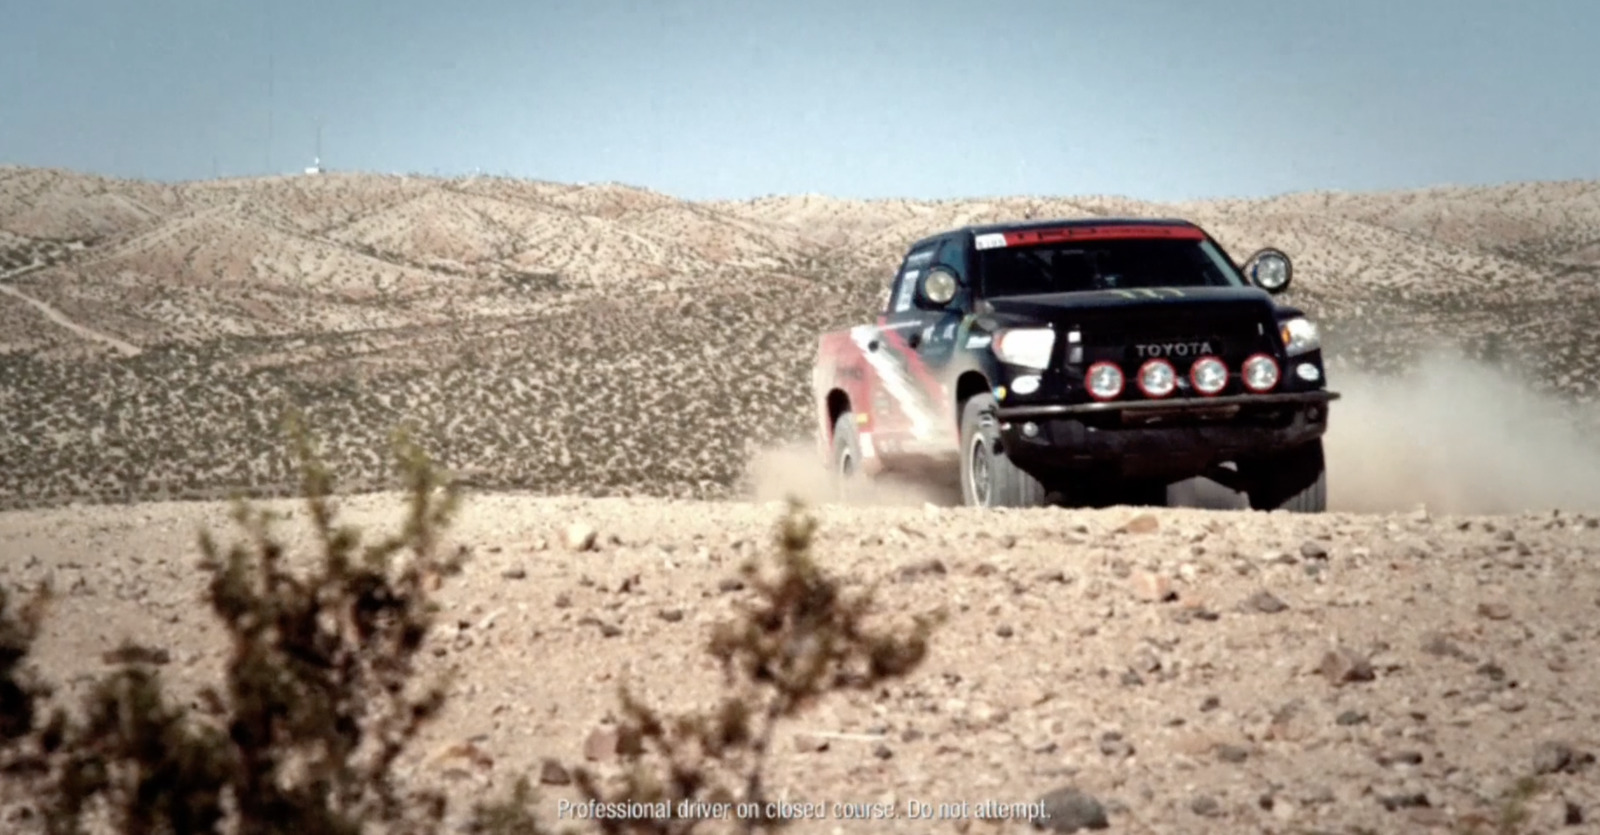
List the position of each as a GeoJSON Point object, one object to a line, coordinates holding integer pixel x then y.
{"type": "Point", "coordinates": [939, 286]}
{"type": "Point", "coordinates": [1270, 270]}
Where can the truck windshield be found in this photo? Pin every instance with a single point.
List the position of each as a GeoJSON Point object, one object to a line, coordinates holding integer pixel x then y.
{"type": "Point", "coordinates": [1114, 264]}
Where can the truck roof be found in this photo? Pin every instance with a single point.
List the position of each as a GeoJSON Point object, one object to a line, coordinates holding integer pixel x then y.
{"type": "Point", "coordinates": [1023, 225]}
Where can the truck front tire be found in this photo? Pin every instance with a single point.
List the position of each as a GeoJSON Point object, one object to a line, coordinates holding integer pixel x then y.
{"type": "Point", "coordinates": [988, 478]}
{"type": "Point", "coordinates": [1296, 480]}
{"type": "Point", "coordinates": [845, 463]}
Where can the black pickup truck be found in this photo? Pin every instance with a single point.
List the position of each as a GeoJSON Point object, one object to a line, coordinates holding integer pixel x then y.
{"type": "Point", "coordinates": [1083, 362]}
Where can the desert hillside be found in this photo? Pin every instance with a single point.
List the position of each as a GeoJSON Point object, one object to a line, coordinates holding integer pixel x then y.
{"type": "Point", "coordinates": [608, 340]}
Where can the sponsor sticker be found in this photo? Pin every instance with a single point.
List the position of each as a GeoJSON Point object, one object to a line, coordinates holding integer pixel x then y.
{"type": "Point", "coordinates": [978, 341]}
{"type": "Point", "coordinates": [908, 284]}
{"type": "Point", "coordinates": [992, 240]}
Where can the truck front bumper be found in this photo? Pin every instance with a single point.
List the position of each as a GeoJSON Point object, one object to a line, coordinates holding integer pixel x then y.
{"type": "Point", "coordinates": [1160, 439]}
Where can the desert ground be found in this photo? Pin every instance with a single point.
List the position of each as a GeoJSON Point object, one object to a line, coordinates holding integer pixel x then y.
{"type": "Point", "coordinates": [1420, 659]}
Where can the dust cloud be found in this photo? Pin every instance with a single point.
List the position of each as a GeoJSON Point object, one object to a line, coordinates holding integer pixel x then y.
{"type": "Point", "coordinates": [1459, 437]}
{"type": "Point", "coordinates": [796, 470]}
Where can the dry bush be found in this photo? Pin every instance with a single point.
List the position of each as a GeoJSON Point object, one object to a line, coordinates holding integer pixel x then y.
{"type": "Point", "coordinates": [800, 639]}
{"type": "Point", "coordinates": [319, 701]}
{"type": "Point", "coordinates": [321, 698]}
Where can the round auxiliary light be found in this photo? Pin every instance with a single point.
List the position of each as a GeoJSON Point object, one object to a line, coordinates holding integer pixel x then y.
{"type": "Point", "coordinates": [1104, 381]}
{"type": "Point", "coordinates": [1157, 378]}
{"type": "Point", "coordinates": [1208, 375]}
{"type": "Point", "coordinates": [1260, 373]}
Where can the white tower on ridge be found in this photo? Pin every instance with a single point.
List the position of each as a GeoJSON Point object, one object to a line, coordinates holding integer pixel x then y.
{"type": "Point", "coordinates": [316, 166]}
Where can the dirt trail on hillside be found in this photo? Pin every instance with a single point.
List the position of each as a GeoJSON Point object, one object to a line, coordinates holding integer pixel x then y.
{"type": "Point", "coordinates": [61, 319]}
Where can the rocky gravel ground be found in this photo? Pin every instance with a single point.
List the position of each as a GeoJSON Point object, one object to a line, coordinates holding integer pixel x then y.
{"type": "Point", "coordinates": [1151, 671]}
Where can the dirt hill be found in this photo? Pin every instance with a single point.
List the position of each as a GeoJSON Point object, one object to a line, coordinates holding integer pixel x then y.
{"type": "Point", "coordinates": [611, 340]}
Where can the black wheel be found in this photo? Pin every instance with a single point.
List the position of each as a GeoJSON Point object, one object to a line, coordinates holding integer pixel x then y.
{"type": "Point", "coordinates": [1296, 481]}
{"type": "Point", "coordinates": [988, 478]}
{"type": "Point", "coordinates": [845, 464]}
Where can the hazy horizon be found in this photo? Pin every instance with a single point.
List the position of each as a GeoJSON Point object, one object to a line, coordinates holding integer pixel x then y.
{"type": "Point", "coordinates": [1154, 100]}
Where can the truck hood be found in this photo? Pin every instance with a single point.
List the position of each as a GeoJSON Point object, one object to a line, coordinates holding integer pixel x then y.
{"type": "Point", "coordinates": [1050, 306]}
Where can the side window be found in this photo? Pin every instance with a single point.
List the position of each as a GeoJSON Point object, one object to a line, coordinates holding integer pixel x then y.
{"type": "Point", "coordinates": [954, 255]}
{"type": "Point", "coordinates": [905, 286]}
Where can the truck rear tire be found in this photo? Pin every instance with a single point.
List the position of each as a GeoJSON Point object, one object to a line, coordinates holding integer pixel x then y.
{"type": "Point", "coordinates": [988, 478]}
{"type": "Point", "coordinates": [1296, 481]}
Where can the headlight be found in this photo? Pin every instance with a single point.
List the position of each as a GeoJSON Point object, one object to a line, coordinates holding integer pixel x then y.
{"type": "Point", "coordinates": [1157, 379]}
{"type": "Point", "coordinates": [1260, 373]}
{"type": "Point", "coordinates": [1028, 347]}
{"type": "Point", "coordinates": [1104, 380]}
{"type": "Point", "coordinates": [1299, 336]}
{"type": "Point", "coordinates": [1208, 375]}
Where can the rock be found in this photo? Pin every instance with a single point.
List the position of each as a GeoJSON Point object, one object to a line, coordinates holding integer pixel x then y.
{"type": "Point", "coordinates": [468, 752]}
{"type": "Point", "coordinates": [1551, 757]}
{"type": "Point", "coordinates": [1232, 753]}
{"type": "Point", "coordinates": [1141, 524]}
{"type": "Point", "coordinates": [882, 751]}
{"type": "Point", "coordinates": [1351, 717]}
{"type": "Point", "coordinates": [921, 569]}
{"type": "Point", "coordinates": [1345, 666]}
{"type": "Point", "coordinates": [1511, 702]}
{"type": "Point", "coordinates": [1265, 602]}
{"type": "Point", "coordinates": [1113, 745]}
{"type": "Point", "coordinates": [1313, 550]}
{"type": "Point", "coordinates": [1494, 610]}
{"type": "Point", "coordinates": [1152, 588]}
{"type": "Point", "coordinates": [810, 743]}
{"type": "Point", "coordinates": [580, 536]}
{"type": "Point", "coordinates": [131, 653]}
{"type": "Point", "coordinates": [1069, 810]}
{"type": "Point", "coordinates": [730, 584]}
{"type": "Point", "coordinates": [1004, 630]}
{"type": "Point", "coordinates": [515, 573]}
{"type": "Point", "coordinates": [670, 615]}
{"type": "Point", "coordinates": [1572, 814]}
{"type": "Point", "coordinates": [553, 773]}
{"type": "Point", "coordinates": [1206, 806]}
{"type": "Point", "coordinates": [1400, 758]}
{"type": "Point", "coordinates": [1435, 643]}
{"type": "Point", "coordinates": [608, 741]}
{"type": "Point", "coordinates": [1210, 703]}
{"type": "Point", "coordinates": [1408, 800]}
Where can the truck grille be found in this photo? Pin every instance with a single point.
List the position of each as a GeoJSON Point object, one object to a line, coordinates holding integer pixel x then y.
{"type": "Point", "coordinates": [1179, 338]}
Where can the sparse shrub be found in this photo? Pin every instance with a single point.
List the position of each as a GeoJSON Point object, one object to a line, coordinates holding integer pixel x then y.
{"type": "Point", "coordinates": [800, 639]}
{"type": "Point", "coordinates": [321, 698]}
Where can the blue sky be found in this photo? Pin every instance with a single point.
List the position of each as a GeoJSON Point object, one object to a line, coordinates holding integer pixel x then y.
{"type": "Point", "coordinates": [1149, 98]}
